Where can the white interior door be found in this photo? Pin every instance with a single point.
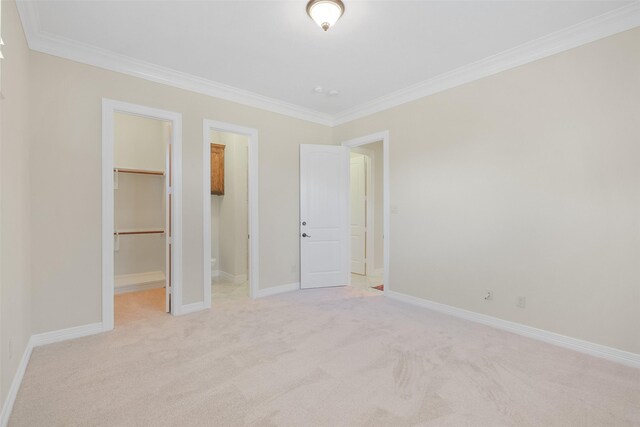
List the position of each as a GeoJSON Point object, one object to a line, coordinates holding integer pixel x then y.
{"type": "Point", "coordinates": [358, 213]}
{"type": "Point", "coordinates": [324, 216]}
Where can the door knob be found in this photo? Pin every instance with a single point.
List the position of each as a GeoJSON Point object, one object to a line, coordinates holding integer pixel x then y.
{"type": "Point", "coordinates": [305, 235]}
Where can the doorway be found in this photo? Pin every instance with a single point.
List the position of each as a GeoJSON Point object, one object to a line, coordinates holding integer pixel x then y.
{"type": "Point", "coordinates": [370, 209]}
{"type": "Point", "coordinates": [230, 211]}
{"type": "Point", "coordinates": [367, 216]}
{"type": "Point", "coordinates": [326, 236]}
{"type": "Point", "coordinates": [141, 210]}
{"type": "Point", "coordinates": [229, 215]}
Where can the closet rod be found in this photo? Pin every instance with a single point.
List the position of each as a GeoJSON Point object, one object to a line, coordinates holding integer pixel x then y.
{"type": "Point", "coordinates": [138, 171]}
{"type": "Point", "coordinates": [122, 233]}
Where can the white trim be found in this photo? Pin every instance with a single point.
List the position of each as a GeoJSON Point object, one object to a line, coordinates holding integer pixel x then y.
{"type": "Point", "coordinates": [368, 139]}
{"type": "Point", "coordinates": [290, 287]}
{"type": "Point", "coordinates": [108, 216]}
{"type": "Point", "coordinates": [610, 23]}
{"type": "Point", "coordinates": [192, 308]}
{"type": "Point", "coordinates": [29, 17]}
{"type": "Point", "coordinates": [63, 47]}
{"type": "Point", "coordinates": [125, 280]}
{"type": "Point", "coordinates": [253, 212]}
{"type": "Point", "coordinates": [586, 347]}
{"type": "Point", "coordinates": [237, 279]}
{"type": "Point", "coordinates": [109, 108]}
{"type": "Point", "coordinates": [7, 407]}
{"type": "Point", "coordinates": [38, 340]}
{"type": "Point", "coordinates": [66, 334]}
{"type": "Point", "coordinates": [207, 270]}
{"type": "Point", "coordinates": [137, 287]}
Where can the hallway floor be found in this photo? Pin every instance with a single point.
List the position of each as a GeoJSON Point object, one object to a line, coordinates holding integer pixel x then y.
{"type": "Point", "coordinates": [222, 289]}
{"type": "Point", "coordinates": [366, 283]}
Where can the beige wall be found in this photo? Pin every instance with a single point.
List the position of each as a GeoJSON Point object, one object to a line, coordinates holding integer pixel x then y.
{"type": "Point", "coordinates": [140, 142]}
{"type": "Point", "coordinates": [15, 260]}
{"type": "Point", "coordinates": [229, 213]}
{"type": "Point", "coordinates": [525, 183]}
{"type": "Point", "coordinates": [65, 173]}
{"type": "Point", "coordinates": [139, 200]}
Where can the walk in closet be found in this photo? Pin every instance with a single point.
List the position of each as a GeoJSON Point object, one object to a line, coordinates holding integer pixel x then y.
{"type": "Point", "coordinates": [142, 204]}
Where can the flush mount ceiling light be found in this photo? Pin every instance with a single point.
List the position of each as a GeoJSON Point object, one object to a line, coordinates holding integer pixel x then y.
{"type": "Point", "coordinates": [325, 12]}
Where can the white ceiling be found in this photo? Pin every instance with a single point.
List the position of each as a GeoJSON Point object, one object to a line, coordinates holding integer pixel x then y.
{"type": "Point", "coordinates": [273, 49]}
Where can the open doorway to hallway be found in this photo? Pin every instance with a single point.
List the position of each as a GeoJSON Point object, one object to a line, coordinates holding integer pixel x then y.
{"type": "Point", "coordinates": [229, 215]}
{"type": "Point", "coordinates": [367, 216]}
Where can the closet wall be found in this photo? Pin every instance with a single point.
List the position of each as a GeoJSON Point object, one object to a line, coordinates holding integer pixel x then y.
{"type": "Point", "coordinates": [229, 213]}
{"type": "Point", "coordinates": [140, 143]}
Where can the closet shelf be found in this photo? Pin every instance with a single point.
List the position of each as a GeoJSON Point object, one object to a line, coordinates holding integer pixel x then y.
{"type": "Point", "coordinates": [139, 171]}
{"type": "Point", "coordinates": [145, 231]}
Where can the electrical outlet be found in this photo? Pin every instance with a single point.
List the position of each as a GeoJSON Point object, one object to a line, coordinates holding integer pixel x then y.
{"type": "Point", "coordinates": [522, 302]}
{"type": "Point", "coordinates": [488, 296]}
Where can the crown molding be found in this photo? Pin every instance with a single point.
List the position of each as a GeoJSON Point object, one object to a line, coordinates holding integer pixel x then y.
{"type": "Point", "coordinates": [29, 17]}
{"type": "Point", "coordinates": [70, 49]}
{"type": "Point", "coordinates": [610, 23]}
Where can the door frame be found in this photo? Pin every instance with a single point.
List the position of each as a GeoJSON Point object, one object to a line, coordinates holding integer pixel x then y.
{"type": "Point", "coordinates": [370, 158]}
{"type": "Point", "coordinates": [109, 108]}
{"type": "Point", "coordinates": [252, 194]}
{"type": "Point", "coordinates": [386, 229]}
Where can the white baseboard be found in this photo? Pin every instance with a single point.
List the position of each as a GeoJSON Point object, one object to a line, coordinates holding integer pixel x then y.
{"type": "Point", "coordinates": [66, 334]}
{"type": "Point", "coordinates": [191, 308]}
{"type": "Point", "coordinates": [586, 347]}
{"type": "Point", "coordinates": [260, 293]}
{"type": "Point", "coordinates": [138, 281]}
{"type": "Point", "coordinates": [240, 278]}
{"type": "Point", "coordinates": [7, 407]}
{"type": "Point", "coordinates": [138, 288]}
{"type": "Point", "coordinates": [36, 341]}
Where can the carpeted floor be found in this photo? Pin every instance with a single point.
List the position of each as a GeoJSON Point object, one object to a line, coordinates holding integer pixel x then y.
{"type": "Point", "coordinates": [328, 357]}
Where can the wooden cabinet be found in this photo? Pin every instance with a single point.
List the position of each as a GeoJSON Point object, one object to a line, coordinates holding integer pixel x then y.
{"type": "Point", "coordinates": [217, 169]}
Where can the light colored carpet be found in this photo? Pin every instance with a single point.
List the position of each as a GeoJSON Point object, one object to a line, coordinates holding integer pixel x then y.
{"type": "Point", "coordinates": [328, 357]}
